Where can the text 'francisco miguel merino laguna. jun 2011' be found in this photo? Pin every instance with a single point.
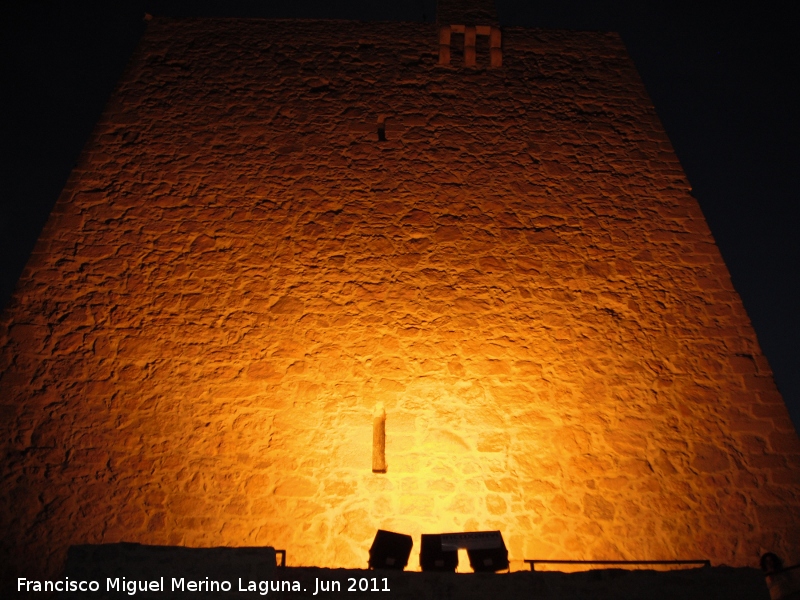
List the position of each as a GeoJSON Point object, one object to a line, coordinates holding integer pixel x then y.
{"type": "Point", "coordinates": [181, 584]}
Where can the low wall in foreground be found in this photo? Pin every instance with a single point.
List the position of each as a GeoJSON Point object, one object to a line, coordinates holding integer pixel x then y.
{"type": "Point", "coordinates": [251, 573]}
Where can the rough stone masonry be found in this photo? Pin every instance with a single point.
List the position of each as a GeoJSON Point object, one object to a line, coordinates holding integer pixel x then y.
{"type": "Point", "coordinates": [239, 270]}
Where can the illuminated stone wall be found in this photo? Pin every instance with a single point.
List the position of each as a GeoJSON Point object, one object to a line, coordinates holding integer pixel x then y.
{"type": "Point", "coordinates": [238, 272]}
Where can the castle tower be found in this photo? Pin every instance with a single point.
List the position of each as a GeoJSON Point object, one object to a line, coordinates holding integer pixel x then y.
{"type": "Point", "coordinates": [279, 227]}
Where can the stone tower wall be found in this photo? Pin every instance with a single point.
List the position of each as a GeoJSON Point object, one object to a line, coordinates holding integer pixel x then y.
{"type": "Point", "coordinates": [238, 271]}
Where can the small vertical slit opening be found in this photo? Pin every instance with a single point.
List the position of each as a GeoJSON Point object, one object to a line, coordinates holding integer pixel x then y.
{"type": "Point", "coordinates": [381, 128]}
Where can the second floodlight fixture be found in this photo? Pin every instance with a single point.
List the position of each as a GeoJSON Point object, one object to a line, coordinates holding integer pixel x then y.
{"type": "Point", "coordinates": [486, 550]}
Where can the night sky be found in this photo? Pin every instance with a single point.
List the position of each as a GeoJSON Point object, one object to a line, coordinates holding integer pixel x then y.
{"type": "Point", "coordinates": [724, 78]}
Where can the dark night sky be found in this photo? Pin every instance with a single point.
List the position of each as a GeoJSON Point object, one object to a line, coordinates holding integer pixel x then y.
{"type": "Point", "coordinates": [724, 78]}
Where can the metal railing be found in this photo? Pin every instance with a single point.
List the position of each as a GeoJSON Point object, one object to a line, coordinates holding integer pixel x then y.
{"type": "Point", "coordinates": [534, 562]}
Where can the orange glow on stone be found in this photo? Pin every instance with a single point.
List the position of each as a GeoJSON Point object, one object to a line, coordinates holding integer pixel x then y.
{"type": "Point", "coordinates": [517, 274]}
